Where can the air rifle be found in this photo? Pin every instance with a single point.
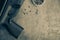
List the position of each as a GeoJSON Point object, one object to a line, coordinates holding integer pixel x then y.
{"type": "Point", "coordinates": [8, 10]}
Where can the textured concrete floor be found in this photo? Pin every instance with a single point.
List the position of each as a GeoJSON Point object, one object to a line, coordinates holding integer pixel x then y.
{"type": "Point", "coordinates": [41, 22]}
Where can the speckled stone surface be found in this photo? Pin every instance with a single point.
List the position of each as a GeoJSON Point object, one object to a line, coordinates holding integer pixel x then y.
{"type": "Point", "coordinates": [41, 22]}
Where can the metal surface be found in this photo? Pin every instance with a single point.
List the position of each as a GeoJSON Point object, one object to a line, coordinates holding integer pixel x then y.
{"type": "Point", "coordinates": [37, 2]}
{"type": "Point", "coordinates": [2, 5]}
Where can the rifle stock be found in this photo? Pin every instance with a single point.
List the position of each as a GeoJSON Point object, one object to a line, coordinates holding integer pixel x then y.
{"type": "Point", "coordinates": [13, 28]}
